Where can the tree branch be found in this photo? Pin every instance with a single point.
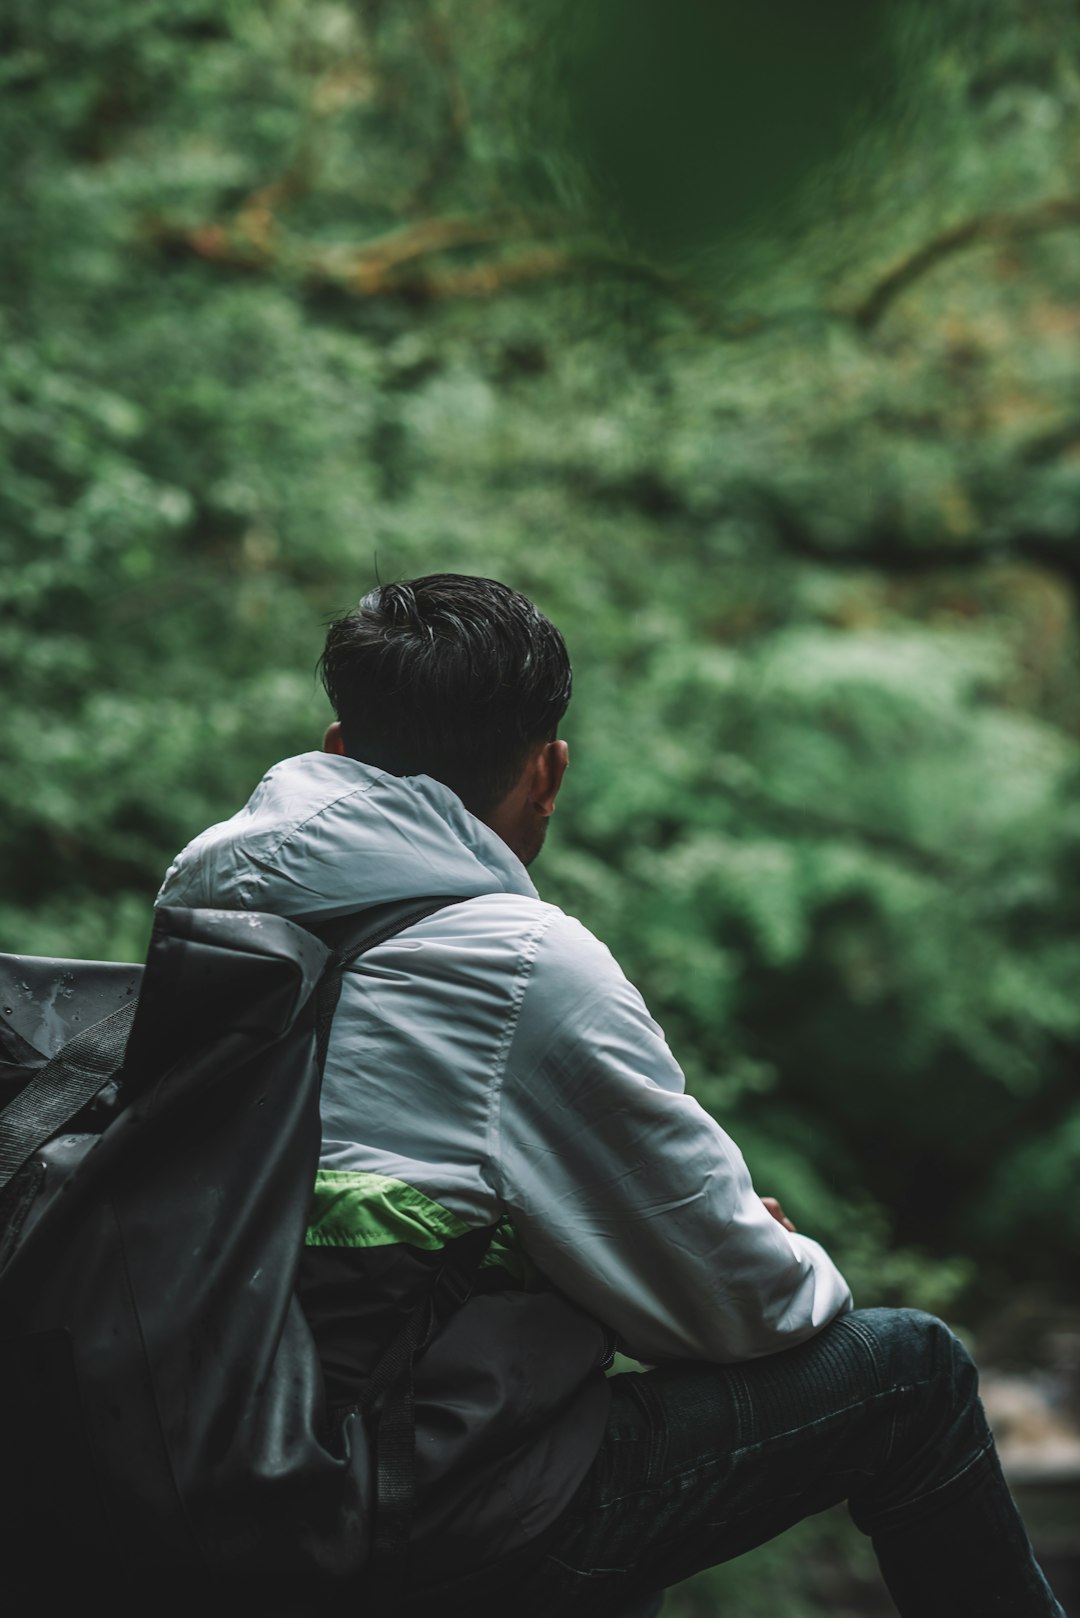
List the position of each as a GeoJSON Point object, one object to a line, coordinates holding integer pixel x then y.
{"type": "Point", "coordinates": [390, 265]}
{"type": "Point", "coordinates": [1056, 213]}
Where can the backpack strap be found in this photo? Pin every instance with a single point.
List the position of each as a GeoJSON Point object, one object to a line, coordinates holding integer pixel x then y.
{"type": "Point", "coordinates": [349, 936]}
{"type": "Point", "coordinates": [61, 1088]}
{"type": "Point", "coordinates": [388, 1397]}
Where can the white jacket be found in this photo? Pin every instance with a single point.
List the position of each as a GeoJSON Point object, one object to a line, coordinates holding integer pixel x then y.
{"type": "Point", "coordinates": [510, 1070]}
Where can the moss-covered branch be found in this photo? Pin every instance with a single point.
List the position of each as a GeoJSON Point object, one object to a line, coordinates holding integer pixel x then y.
{"type": "Point", "coordinates": [1056, 213]}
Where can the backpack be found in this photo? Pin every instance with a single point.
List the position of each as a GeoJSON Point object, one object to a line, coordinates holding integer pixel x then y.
{"type": "Point", "coordinates": [165, 1427]}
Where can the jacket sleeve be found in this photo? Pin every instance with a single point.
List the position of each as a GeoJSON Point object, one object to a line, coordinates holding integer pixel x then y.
{"type": "Point", "coordinates": [624, 1191]}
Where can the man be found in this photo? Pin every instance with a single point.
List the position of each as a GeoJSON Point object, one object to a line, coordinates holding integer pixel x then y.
{"type": "Point", "coordinates": [492, 1067]}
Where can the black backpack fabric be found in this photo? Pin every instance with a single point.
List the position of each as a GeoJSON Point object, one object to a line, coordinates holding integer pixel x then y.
{"type": "Point", "coordinates": [163, 1423]}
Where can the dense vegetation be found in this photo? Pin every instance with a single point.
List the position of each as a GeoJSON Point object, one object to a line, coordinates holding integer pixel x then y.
{"type": "Point", "coordinates": [749, 349]}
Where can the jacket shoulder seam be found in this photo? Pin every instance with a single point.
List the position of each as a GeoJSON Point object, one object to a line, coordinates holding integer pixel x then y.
{"type": "Point", "coordinates": [298, 825]}
{"type": "Point", "coordinates": [523, 972]}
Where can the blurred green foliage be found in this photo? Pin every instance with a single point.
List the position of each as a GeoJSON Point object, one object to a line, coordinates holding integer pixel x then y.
{"type": "Point", "coordinates": [775, 415]}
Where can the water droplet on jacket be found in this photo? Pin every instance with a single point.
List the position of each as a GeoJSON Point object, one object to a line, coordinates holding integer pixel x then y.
{"type": "Point", "coordinates": [7, 1011]}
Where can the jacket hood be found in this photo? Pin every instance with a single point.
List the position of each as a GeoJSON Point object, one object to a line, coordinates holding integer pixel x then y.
{"type": "Point", "coordinates": [324, 835]}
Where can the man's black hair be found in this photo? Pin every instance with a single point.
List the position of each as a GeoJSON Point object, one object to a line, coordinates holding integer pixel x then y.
{"type": "Point", "coordinates": [448, 676]}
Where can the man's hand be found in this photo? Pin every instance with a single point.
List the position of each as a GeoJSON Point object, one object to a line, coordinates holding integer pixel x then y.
{"type": "Point", "coordinates": [778, 1213]}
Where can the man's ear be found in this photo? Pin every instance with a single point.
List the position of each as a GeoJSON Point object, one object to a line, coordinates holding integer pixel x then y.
{"type": "Point", "coordinates": [332, 742]}
{"type": "Point", "coordinates": [551, 765]}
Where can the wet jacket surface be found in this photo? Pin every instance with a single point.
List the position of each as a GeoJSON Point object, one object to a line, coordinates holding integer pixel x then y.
{"type": "Point", "coordinates": [493, 1066]}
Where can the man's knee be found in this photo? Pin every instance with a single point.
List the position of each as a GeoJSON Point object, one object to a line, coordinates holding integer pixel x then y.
{"type": "Point", "coordinates": [913, 1347]}
{"type": "Point", "coordinates": [938, 1431]}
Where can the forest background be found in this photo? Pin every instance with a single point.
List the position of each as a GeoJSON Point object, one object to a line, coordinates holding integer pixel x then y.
{"type": "Point", "coordinates": [743, 339]}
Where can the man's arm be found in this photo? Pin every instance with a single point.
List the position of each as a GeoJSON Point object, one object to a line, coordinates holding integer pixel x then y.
{"type": "Point", "coordinates": [627, 1195]}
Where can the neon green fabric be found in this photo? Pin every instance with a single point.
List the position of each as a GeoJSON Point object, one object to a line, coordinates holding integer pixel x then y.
{"type": "Point", "coordinates": [350, 1209]}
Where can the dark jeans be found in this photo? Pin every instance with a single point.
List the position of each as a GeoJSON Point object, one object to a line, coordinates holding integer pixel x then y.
{"type": "Point", "coordinates": [701, 1463]}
